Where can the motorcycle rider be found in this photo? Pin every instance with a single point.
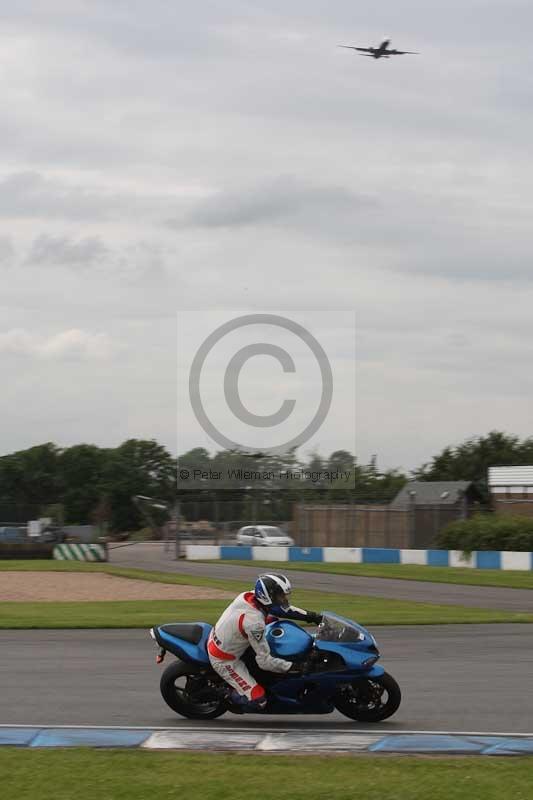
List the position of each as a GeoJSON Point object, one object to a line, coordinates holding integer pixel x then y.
{"type": "Point", "coordinates": [242, 625]}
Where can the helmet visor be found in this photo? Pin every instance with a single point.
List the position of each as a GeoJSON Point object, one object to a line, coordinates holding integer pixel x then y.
{"type": "Point", "coordinates": [282, 599]}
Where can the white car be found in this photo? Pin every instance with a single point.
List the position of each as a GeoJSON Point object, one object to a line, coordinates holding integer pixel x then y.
{"type": "Point", "coordinates": [263, 536]}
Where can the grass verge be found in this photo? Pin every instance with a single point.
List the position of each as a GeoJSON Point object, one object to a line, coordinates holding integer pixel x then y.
{"type": "Point", "coordinates": [512, 579]}
{"type": "Point", "coordinates": [136, 775]}
{"type": "Point", "coordinates": [140, 614]}
{"type": "Point", "coordinates": [508, 579]}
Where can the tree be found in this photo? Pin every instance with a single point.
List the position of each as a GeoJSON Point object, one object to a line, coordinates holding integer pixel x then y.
{"type": "Point", "coordinates": [31, 478]}
{"type": "Point", "coordinates": [137, 467]}
{"type": "Point", "coordinates": [82, 468]}
{"type": "Point", "coordinates": [471, 460]}
{"type": "Point", "coordinates": [101, 514]}
{"type": "Point", "coordinates": [341, 460]}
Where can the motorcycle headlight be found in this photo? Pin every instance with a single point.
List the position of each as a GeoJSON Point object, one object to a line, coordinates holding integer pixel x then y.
{"type": "Point", "coordinates": [369, 662]}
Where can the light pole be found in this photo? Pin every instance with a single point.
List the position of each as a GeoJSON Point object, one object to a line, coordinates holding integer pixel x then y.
{"type": "Point", "coordinates": [144, 504]}
{"type": "Point", "coordinates": [412, 514]}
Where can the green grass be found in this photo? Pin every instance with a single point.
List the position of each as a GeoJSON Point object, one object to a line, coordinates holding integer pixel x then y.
{"type": "Point", "coordinates": [512, 579]}
{"type": "Point", "coordinates": [137, 775]}
{"type": "Point", "coordinates": [140, 614]}
{"type": "Point", "coordinates": [109, 614]}
{"type": "Point", "coordinates": [143, 614]}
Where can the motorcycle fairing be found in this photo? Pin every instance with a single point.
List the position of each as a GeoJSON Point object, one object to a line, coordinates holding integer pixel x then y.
{"type": "Point", "coordinates": [187, 651]}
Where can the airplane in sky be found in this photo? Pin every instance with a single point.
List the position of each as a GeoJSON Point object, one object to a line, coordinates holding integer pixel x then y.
{"type": "Point", "coordinates": [379, 52]}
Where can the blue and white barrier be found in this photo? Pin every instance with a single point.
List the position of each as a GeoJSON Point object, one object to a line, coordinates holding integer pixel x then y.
{"type": "Point", "coordinates": [481, 559]}
{"type": "Point", "coordinates": [256, 740]}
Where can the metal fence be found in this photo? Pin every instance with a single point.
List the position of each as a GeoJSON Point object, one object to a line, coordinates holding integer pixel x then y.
{"type": "Point", "coordinates": [222, 533]}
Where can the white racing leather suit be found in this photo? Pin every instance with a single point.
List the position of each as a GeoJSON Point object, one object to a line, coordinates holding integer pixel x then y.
{"type": "Point", "coordinates": [242, 625]}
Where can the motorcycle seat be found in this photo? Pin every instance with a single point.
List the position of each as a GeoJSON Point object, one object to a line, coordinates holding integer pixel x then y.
{"type": "Point", "coordinates": [184, 630]}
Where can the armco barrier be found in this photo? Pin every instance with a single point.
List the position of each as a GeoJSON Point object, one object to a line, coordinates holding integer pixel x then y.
{"type": "Point", "coordinates": [80, 552]}
{"type": "Point", "coordinates": [482, 559]}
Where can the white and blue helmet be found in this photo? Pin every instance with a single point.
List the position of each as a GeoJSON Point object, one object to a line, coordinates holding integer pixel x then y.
{"type": "Point", "coordinates": [273, 590]}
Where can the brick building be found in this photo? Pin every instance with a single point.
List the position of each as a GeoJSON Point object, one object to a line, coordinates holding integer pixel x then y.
{"type": "Point", "coordinates": [511, 490]}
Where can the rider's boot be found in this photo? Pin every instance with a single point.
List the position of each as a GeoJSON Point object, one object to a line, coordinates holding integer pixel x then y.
{"type": "Point", "coordinates": [240, 704]}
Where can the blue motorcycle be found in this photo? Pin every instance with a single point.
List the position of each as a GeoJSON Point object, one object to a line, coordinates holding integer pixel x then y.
{"type": "Point", "coordinates": [338, 663]}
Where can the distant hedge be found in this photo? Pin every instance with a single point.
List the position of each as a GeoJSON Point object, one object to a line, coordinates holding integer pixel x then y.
{"type": "Point", "coordinates": [25, 550]}
{"type": "Point", "coordinates": [488, 532]}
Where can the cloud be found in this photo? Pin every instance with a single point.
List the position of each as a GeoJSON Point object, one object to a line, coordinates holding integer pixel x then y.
{"type": "Point", "coordinates": [61, 251]}
{"type": "Point", "coordinates": [284, 200]}
{"type": "Point", "coordinates": [68, 345]}
{"type": "Point", "coordinates": [402, 190]}
{"type": "Point", "coordinates": [30, 194]}
{"type": "Point", "coordinates": [7, 252]}
{"type": "Point", "coordinates": [126, 262]}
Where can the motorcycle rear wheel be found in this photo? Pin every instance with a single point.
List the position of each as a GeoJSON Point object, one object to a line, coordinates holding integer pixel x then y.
{"type": "Point", "coordinates": [173, 687]}
{"type": "Point", "coordinates": [364, 700]}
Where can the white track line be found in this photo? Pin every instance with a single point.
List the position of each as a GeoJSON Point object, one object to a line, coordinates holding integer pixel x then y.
{"type": "Point", "coordinates": [251, 730]}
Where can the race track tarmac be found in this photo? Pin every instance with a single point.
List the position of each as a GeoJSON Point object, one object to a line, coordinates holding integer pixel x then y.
{"type": "Point", "coordinates": [153, 557]}
{"type": "Point", "coordinates": [473, 678]}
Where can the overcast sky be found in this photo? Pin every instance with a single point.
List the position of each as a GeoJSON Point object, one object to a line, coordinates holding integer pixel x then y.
{"type": "Point", "coordinates": [229, 158]}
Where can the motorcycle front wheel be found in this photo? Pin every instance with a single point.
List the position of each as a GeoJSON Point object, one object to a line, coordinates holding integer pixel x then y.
{"type": "Point", "coordinates": [369, 699]}
{"type": "Point", "coordinates": [180, 682]}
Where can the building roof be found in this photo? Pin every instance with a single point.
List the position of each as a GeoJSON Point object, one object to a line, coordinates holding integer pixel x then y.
{"type": "Point", "coordinates": [429, 493]}
{"type": "Point", "coordinates": [510, 476]}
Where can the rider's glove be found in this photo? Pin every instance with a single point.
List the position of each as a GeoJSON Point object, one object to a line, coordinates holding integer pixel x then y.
{"type": "Point", "coordinates": [314, 617]}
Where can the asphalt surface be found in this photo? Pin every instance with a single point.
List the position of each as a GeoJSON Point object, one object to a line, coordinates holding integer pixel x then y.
{"type": "Point", "coordinates": [153, 557]}
{"type": "Point", "coordinates": [453, 677]}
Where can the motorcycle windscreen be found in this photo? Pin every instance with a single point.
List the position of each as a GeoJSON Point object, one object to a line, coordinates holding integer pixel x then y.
{"type": "Point", "coordinates": [287, 640]}
{"type": "Point", "coordinates": [335, 628]}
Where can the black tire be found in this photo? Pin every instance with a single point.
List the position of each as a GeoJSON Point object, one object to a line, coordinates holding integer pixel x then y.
{"type": "Point", "coordinates": [364, 701]}
{"type": "Point", "coordinates": [176, 696]}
